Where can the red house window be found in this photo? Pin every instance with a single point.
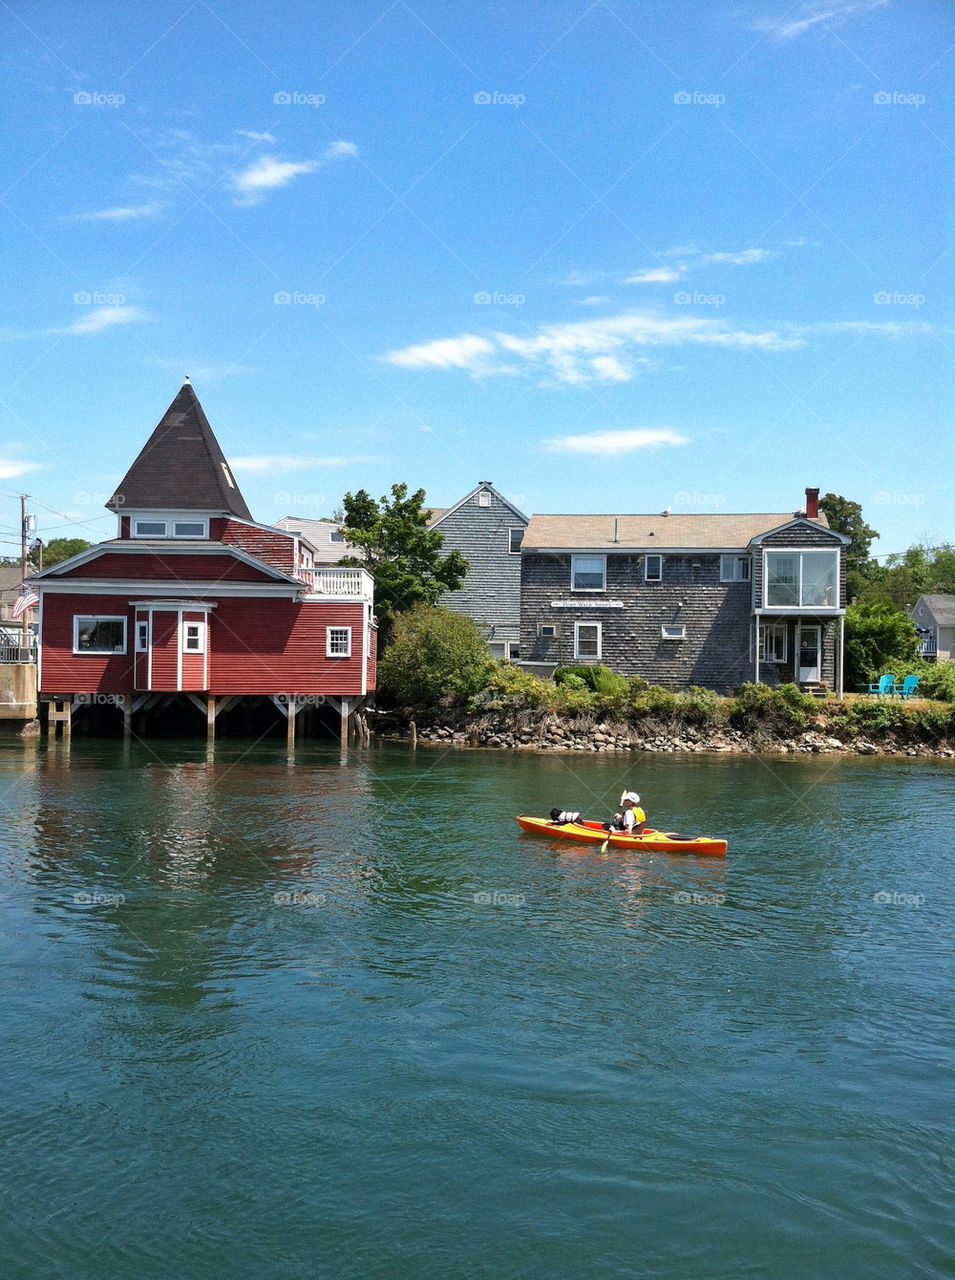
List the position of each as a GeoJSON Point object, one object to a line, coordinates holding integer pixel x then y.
{"type": "Point", "coordinates": [338, 642]}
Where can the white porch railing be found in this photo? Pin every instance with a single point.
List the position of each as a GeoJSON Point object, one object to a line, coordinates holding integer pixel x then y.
{"type": "Point", "coordinates": [337, 582]}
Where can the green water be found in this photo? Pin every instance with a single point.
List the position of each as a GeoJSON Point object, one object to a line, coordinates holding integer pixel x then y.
{"type": "Point", "coordinates": [337, 1017]}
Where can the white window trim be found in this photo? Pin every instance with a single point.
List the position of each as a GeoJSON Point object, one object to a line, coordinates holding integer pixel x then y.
{"type": "Point", "coordinates": [328, 642]}
{"type": "Point", "coordinates": [517, 528]}
{"type": "Point", "coordinates": [779, 628]}
{"type": "Point", "coordinates": [587, 656]}
{"type": "Point", "coordinates": [509, 650]}
{"type": "Point", "coordinates": [142, 623]}
{"type": "Point", "coordinates": [183, 636]}
{"type": "Point", "coordinates": [484, 498]}
{"type": "Point", "coordinates": [573, 571]}
{"type": "Point", "coordinates": [739, 563]}
{"type": "Point", "coordinates": [97, 617]}
{"type": "Point", "coordinates": [799, 552]}
{"type": "Point", "coordinates": [549, 630]}
{"type": "Point", "coordinates": [646, 566]}
{"type": "Point", "coordinates": [169, 523]}
{"type": "Point", "coordinates": [672, 631]}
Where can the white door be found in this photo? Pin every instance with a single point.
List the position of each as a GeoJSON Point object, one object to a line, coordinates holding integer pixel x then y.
{"type": "Point", "coordinates": [808, 654]}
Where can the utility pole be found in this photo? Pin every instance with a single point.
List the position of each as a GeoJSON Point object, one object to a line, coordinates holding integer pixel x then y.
{"type": "Point", "coordinates": [23, 561]}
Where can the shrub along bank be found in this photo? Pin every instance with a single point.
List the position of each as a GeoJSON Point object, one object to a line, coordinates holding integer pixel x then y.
{"type": "Point", "coordinates": [594, 709]}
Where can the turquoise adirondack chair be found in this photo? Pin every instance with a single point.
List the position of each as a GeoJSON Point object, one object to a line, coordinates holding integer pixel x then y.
{"type": "Point", "coordinates": [908, 687]}
{"type": "Point", "coordinates": [885, 688]}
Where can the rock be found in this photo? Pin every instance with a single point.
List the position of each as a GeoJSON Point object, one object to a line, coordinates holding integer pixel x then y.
{"type": "Point", "coordinates": [867, 749]}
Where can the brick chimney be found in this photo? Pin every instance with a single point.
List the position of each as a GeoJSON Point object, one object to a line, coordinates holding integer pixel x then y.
{"type": "Point", "coordinates": [812, 504]}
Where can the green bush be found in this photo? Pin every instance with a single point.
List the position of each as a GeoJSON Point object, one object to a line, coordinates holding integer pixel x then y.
{"type": "Point", "coordinates": [936, 679]}
{"type": "Point", "coordinates": [878, 638]}
{"type": "Point", "coordinates": [436, 658]}
{"type": "Point", "coordinates": [649, 700]}
{"type": "Point", "coordinates": [510, 688]}
{"type": "Point", "coordinates": [783, 708]}
{"type": "Point", "coordinates": [592, 676]}
{"type": "Point", "coordinates": [697, 705]}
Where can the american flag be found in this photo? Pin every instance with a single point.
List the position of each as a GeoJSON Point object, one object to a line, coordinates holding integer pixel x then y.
{"type": "Point", "coordinates": [26, 599]}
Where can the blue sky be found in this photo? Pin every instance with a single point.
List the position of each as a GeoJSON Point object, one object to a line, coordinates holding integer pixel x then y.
{"type": "Point", "coordinates": [611, 256]}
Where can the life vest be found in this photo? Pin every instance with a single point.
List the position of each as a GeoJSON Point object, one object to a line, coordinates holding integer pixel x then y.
{"type": "Point", "coordinates": [561, 816]}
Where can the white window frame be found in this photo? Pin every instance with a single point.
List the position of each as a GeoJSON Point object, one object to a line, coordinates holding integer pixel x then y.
{"type": "Point", "coordinates": [587, 656]}
{"type": "Point", "coordinates": [672, 631]}
{"type": "Point", "coordinates": [512, 550]}
{"type": "Point", "coordinates": [797, 553]}
{"type": "Point", "coordinates": [306, 559]}
{"type": "Point", "coordinates": [741, 568]}
{"type": "Point", "coordinates": [330, 651]}
{"type": "Point", "coordinates": [548, 630]}
{"type": "Point", "coordinates": [203, 530]}
{"type": "Point", "coordinates": [652, 555]}
{"type": "Point", "coordinates": [776, 631]}
{"type": "Point", "coordinates": [574, 571]}
{"type": "Point", "coordinates": [228, 474]}
{"type": "Point", "coordinates": [184, 637]}
{"type": "Point", "coordinates": [484, 498]}
{"type": "Point", "coordinates": [137, 521]}
{"type": "Point", "coordinates": [170, 527]}
{"type": "Point", "coordinates": [142, 635]}
{"type": "Point", "coordinates": [97, 618]}
{"type": "Point", "coordinates": [512, 650]}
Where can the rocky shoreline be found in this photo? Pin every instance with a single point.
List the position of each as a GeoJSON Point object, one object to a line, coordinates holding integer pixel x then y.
{"type": "Point", "coordinates": [553, 735]}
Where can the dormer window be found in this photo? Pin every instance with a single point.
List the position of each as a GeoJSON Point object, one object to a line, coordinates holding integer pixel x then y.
{"type": "Point", "coordinates": [168, 527]}
{"type": "Point", "coordinates": [228, 476]}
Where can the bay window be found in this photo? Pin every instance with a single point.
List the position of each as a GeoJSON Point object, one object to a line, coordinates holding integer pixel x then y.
{"type": "Point", "coordinates": [801, 579]}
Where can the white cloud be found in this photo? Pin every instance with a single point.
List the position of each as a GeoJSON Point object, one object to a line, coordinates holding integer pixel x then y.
{"type": "Point", "coordinates": [339, 148]}
{"type": "Point", "coordinates": [122, 213]}
{"type": "Point", "coordinates": [595, 300]}
{"type": "Point", "coordinates": [743, 259]}
{"type": "Point", "coordinates": [9, 470]}
{"type": "Point", "coordinates": [655, 275]}
{"type": "Point", "coordinates": [255, 137]}
{"type": "Point", "coordinates": [465, 352]}
{"type": "Point", "coordinates": [269, 464]}
{"type": "Point", "coordinates": [614, 444]}
{"type": "Point", "coordinates": [96, 320]}
{"type": "Point", "coordinates": [266, 174]}
{"type": "Point", "coordinates": [837, 12]}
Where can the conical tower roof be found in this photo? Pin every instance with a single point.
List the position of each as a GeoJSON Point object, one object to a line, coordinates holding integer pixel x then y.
{"type": "Point", "coordinates": [181, 467]}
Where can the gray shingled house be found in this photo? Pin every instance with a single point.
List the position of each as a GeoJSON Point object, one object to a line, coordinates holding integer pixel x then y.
{"type": "Point", "coordinates": [488, 530]}
{"type": "Point", "coordinates": [934, 618]}
{"type": "Point", "coordinates": [712, 600]}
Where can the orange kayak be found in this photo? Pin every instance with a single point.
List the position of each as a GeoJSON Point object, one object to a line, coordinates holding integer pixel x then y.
{"type": "Point", "coordinates": [649, 839]}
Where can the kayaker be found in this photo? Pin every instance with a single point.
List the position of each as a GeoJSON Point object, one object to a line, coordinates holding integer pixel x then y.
{"type": "Point", "coordinates": [631, 819]}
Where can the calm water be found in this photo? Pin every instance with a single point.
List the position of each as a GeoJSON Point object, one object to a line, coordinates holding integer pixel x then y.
{"type": "Point", "coordinates": [339, 1018]}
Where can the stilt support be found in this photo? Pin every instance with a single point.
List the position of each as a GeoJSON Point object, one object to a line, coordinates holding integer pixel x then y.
{"type": "Point", "coordinates": [61, 713]}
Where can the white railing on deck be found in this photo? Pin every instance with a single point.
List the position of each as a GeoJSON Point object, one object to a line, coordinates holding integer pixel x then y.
{"type": "Point", "coordinates": [337, 582]}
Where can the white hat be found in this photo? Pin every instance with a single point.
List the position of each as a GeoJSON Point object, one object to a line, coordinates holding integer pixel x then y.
{"type": "Point", "coordinates": [631, 796]}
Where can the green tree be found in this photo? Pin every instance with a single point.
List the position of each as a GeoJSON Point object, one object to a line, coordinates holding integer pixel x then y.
{"type": "Point", "coordinates": [399, 551]}
{"type": "Point", "coordinates": [436, 658]}
{"type": "Point", "coordinates": [845, 516]}
{"type": "Point", "coordinates": [877, 636]}
{"type": "Point", "coordinates": [59, 549]}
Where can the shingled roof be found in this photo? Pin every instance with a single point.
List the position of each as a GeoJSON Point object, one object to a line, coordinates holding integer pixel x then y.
{"type": "Point", "coordinates": [181, 467]}
{"type": "Point", "coordinates": [625, 532]}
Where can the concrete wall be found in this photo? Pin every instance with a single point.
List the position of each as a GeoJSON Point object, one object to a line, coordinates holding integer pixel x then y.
{"type": "Point", "coordinates": [17, 691]}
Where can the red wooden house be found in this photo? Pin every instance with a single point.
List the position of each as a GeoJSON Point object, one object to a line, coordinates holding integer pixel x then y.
{"type": "Point", "coordinates": [194, 600]}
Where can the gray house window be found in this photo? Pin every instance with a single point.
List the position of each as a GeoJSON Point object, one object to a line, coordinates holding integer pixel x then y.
{"type": "Point", "coordinates": [588, 573]}
{"type": "Point", "coordinates": [800, 579]}
{"type": "Point", "coordinates": [735, 568]}
{"type": "Point", "coordinates": [654, 568]}
{"type": "Point", "coordinates": [514, 539]}
{"type": "Point", "coordinates": [586, 639]}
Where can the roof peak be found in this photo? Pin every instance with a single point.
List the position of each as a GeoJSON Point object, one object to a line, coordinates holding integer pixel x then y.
{"type": "Point", "coordinates": [181, 466]}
